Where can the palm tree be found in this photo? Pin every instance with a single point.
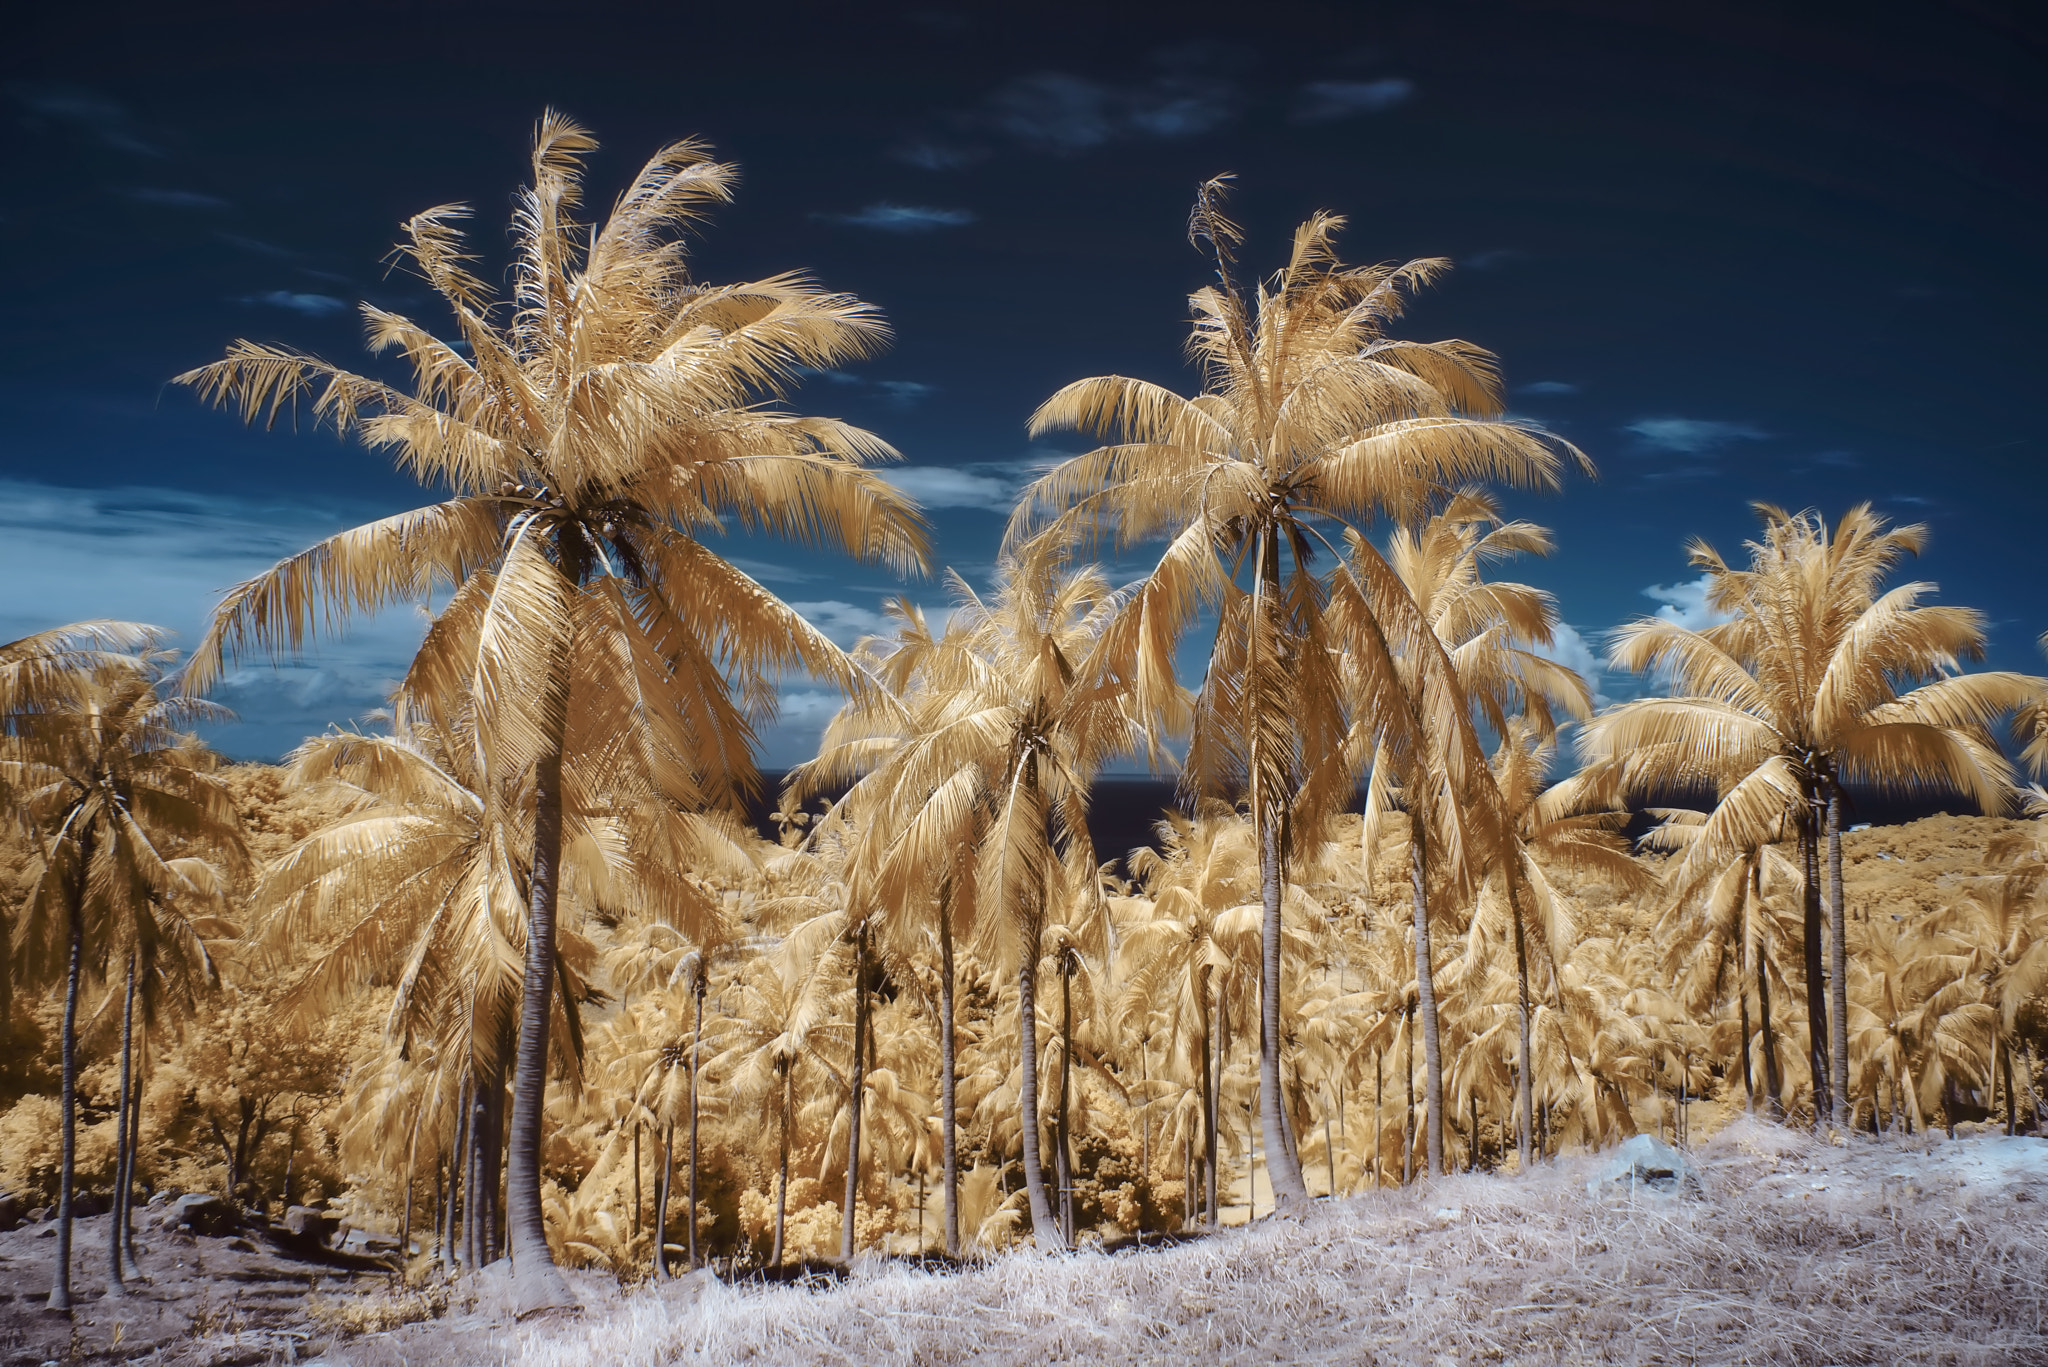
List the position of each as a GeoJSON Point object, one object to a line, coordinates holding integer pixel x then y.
{"type": "Point", "coordinates": [1311, 418]}
{"type": "Point", "coordinates": [591, 430]}
{"type": "Point", "coordinates": [114, 794]}
{"type": "Point", "coordinates": [1797, 694]}
{"type": "Point", "coordinates": [993, 755]}
{"type": "Point", "coordinates": [1484, 638]}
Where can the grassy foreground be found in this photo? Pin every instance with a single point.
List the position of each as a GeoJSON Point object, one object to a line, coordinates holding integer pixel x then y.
{"type": "Point", "coordinates": [1799, 1251]}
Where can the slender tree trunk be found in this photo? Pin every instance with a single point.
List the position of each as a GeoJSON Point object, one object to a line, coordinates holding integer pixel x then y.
{"type": "Point", "coordinates": [1283, 1172]}
{"type": "Point", "coordinates": [949, 1128]}
{"type": "Point", "coordinates": [493, 1240]}
{"type": "Point", "coordinates": [1329, 1152]}
{"type": "Point", "coordinates": [1425, 994]}
{"type": "Point", "coordinates": [1379, 1101]}
{"type": "Point", "coordinates": [474, 1188]}
{"type": "Point", "coordinates": [1063, 1155]}
{"type": "Point", "coordinates": [1408, 1135]}
{"type": "Point", "coordinates": [668, 1177]}
{"type": "Point", "coordinates": [851, 1209]}
{"type": "Point", "coordinates": [1045, 1230]}
{"type": "Point", "coordinates": [537, 1283]}
{"type": "Point", "coordinates": [782, 1169]}
{"type": "Point", "coordinates": [1526, 1061]}
{"type": "Point", "coordinates": [696, 1057]}
{"type": "Point", "coordinates": [128, 1171]}
{"type": "Point", "coordinates": [459, 1188]}
{"type": "Point", "coordinates": [1187, 1180]}
{"type": "Point", "coordinates": [60, 1289]}
{"type": "Point", "coordinates": [115, 1283]}
{"type": "Point", "coordinates": [1774, 1084]}
{"type": "Point", "coordinates": [1838, 964]}
{"type": "Point", "coordinates": [1816, 970]}
{"type": "Point", "coordinates": [1742, 1005]}
{"type": "Point", "coordinates": [2012, 1099]}
{"type": "Point", "coordinates": [636, 1179]}
{"type": "Point", "coordinates": [1213, 1111]}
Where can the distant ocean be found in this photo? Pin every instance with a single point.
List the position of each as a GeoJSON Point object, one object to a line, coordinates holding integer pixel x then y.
{"type": "Point", "coordinates": [1127, 808]}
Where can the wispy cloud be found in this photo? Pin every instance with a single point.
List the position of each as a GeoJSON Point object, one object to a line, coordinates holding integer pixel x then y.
{"type": "Point", "coordinates": [175, 199]}
{"type": "Point", "coordinates": [990, 486]}
{"type": "Point", "coordinates": [929, 154]}
{"type": "Point", "coordinates": [1056, 111]}
{"type": "Point", "coordinates": [1493, 258]}
{"type": "Point", "coordinates": [1691, 436]}
{"type": "Point", "coordinates": [895, 393]}
{"type": "Point", "coordinates": [844, 622]}
{"type": "Point", "coordinates": [1547, 387]}
{"type": "Point", "coordinates": [1570, 648]}
{"type": "Point", "coordinates": [92, 114]}
{"type": "Point", "coordinates": [164, 556]}
{"type": "Point", "coordinates": [312, 305]}
{"type": "Point", "coordinates": [257, 247]}
{"type": "Point", "coordinates": [1326, 101]}
{"type": "Point", "coordinates": [901, 218]}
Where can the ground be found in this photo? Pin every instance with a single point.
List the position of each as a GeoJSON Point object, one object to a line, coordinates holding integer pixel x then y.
{"type": "Point", "coordinates": [1793, 1250]}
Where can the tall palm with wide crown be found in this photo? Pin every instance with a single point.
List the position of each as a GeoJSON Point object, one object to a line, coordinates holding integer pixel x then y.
{"type": "Point", "coordinates": [126, 819]}
{"type": "Point", "coordinates": [1803, 689]}
{"type": "Point", "coordinates": [1311, 419]}
{"type": "Point", "coordinates": [591, 433]}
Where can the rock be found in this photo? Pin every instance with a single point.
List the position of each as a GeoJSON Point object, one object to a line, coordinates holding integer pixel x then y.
{"type": "Point", "coordinates": [11, 1211]}
{"type": "Point", "coordinates": [202, 1213]}
{"type": "Point", "coordinates": [86, 1204]}
{"type": "Point", "coordinates": [1646, 1165]}
{"type": "Point", "coordinates": [38, 1215]}
{"type": "Point", "coordinates": [307, 1222]}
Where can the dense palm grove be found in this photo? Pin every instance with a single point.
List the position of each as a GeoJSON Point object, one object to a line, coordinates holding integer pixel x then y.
{"type": "Point", "coordinates": [513, 974]}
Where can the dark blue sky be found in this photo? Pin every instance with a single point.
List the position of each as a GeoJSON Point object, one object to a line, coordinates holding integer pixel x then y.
{"type": "Point", "coordinates": [1736, 251]}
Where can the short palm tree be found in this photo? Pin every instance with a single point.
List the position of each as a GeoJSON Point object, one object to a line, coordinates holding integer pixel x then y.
{"type": "Point", "coordinates": [125, 814]}
{"type": "Point", "coordinates": [1801, 692]}
{"type": "Point", "coordinates": [591, 431]}
{"type": "Point", "coordinates": [995, 756]}
{"type": "Point", "coordinates": [1312, 418]}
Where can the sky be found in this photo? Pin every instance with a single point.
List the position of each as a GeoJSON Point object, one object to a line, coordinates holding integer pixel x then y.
{"type": "Point", "coordinates": [1734, 251]}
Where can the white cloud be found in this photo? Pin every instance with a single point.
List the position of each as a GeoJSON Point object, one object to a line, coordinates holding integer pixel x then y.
{"type": "Point", "coordinates": [901, 218]}
{"type": "Point", "coordinates": [1690, 436]}
{"type": "Point", "coordinates": [1324, 101]}
{"type": "Point", "coordinates": [929, 155]}
{"type": "Point", "coordinates": [905, 393]}
{"type": "Point", "coordinates": [312, 305]}
{"type": "Point", "coordinates": [1569, 648]}
{"type": "Point", "coordinates": [1686, 604]}
{"type": "Point", "coordinates": [88, 112]}
{"type": "Point", "coordinates": [844, 622]}
{"type": "Point", "coordinates": [1548, 387]}
{"type": "Point", "coordinates": [991, 486]}
{"type": "Point", "coordinates": [164, 556]}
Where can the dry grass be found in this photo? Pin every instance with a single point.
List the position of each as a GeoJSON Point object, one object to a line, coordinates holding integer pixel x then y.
{"type": "Point", "coordinates": [1926, 1251]}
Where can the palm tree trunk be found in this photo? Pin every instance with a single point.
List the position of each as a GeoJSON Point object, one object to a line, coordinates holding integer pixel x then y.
{"type": "Point", "coordinates": [1063, 1156]}
{"type": "Point", "coordinates": [782, 1169]}
{"type": "Point", "coordinates": [60, 1289]}
{"type": "Point", "coordinates": [1838, 964]}
{"type": "Point", "coordinates": [2012, 1101]}
{"type": "Point", "coordinates": [636, 1179]}
{"type": "Point", "coordinates": [1379, 1101]}
{"type": "Point", "coordinates": [120, 1211]}
{"type": "Point", "coordinates": [1045, 1230]}
{"type": "Point", "coordinates": [1816, 972]}
{"type": "Point", "coordinates": [128, 1172]}
{"type": "Point", "coordinates": [696, 1056]}
{"type": "Point", "coordinates": [1329, 1152]}
{"type": "Point", "coordinates": [1525, 1063]}
{"type": "Point", "coordinates": [1283, 1171]}
{"type": "Point", "coordinates": [949, 1129]}
{"type": "Point", "coordinates": [668, 1175]}
{"type": "Point", "coordinates": [458, 1180]}
{"type": "Point", "coordinates": [1219, 1044]}
{"type": "Point", "coordinates": [537, 1284]}
{"type": "Point", "coordinates": [850, 1210]}
{"type": "Point", "coordinates": [1408, 1121]}
{"type": "Point", "coordinates": [1774, 1084]}
{"type": "Point", "coordinates": [1425, 994]}
{"type": "Point", "coordinates": [1742, 1005]}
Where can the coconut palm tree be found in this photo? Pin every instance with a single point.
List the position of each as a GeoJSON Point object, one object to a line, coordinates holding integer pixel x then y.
{"type": "Point", "coordinates": [1799, 693]}
{"type": "Point", "coordinates": [1311, 419]}
{"type": "Point", "coordinates": [591, 430]}
{"type": "Point", "coordinates": [125, 814]}
{"type": "Point", "coordinates": [993, 755]}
